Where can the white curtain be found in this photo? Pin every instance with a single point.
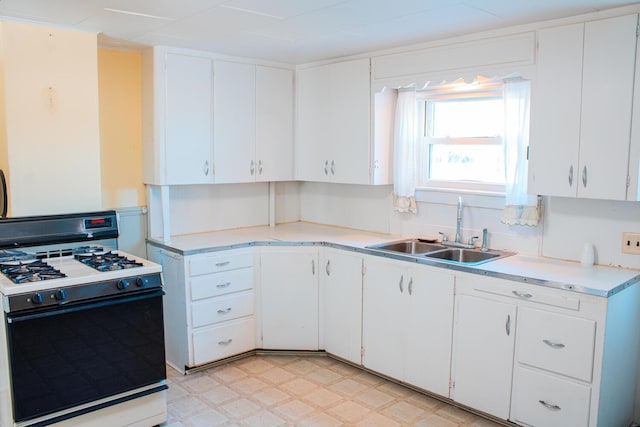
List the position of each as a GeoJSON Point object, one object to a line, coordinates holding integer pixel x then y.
{"type": "Point", "coordinates": [406, 136]}
{"type": "Point", "coordinates": [520, 207]}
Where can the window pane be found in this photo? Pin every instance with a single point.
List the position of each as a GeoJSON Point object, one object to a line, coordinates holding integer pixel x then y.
{"type": "Point", "coordinates": [480, 163]}
{"type": "Point", "coordinates": [461, 118]}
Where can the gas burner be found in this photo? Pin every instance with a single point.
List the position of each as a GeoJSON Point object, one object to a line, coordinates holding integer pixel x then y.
{"type": "Point", "coordinates": [29, 271]}
{"type": "Point", "coordinates": [8, 255]}
{"type": "Point", "coordinates": [107, 261]}
{"type": "Point", "coordinates": [89, 250]}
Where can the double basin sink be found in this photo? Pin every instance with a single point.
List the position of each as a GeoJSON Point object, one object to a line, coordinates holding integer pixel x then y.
{"type": "Point", "coordinates": [438, 252]}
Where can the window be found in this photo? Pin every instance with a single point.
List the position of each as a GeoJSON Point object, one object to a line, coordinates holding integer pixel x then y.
{"type": "Point", "coordinates": [461, 129]}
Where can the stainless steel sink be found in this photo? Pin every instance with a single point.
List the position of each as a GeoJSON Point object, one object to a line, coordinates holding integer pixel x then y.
{"type": "Point", "coordinates": [466, 256]}
{"type": "Point", "coordinates": [410, 247]}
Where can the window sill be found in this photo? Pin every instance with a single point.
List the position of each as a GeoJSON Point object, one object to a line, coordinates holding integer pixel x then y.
{"type": "Point", "coordinates": [447, 196]}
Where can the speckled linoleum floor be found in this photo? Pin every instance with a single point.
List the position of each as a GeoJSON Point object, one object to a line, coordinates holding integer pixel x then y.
{"type": "Point", "coordinates": [289, 390]}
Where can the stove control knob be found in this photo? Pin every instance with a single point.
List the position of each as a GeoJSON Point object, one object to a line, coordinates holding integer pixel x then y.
{"type": "Point", "coordinates": [60, 295]}
{"type": "Point", "coordinates": [122, 284]}
{"type": "Point", "coordinates": [141, 282]}
{"type": "Point", "coordinates": [37, 298]}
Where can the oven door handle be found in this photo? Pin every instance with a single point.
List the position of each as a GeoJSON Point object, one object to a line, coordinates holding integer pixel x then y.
{"type": "Point", "coordinates": [81, 306]}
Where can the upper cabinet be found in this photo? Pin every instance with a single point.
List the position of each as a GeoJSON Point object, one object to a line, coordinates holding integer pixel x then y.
{"type": "Point", "coordinates": [211, 121]}
{"type": "Point", "coordinates": [177, 118]}
{"type": "Point", "coordinates": [253, 123]}
{"type": "Point", "coordinates": [333, 132]}
{"type": "Point", "coordinates": [49, 119]}
{"type": "Point", "coordinates": [581, 109]}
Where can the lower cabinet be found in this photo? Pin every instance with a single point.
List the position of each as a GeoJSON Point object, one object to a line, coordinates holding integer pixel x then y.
{"type": "Point", "coordinates": [483, 346]}
{"type": "Point", "coordinates": [341, 303]}
{"type": "Point", "coordinates": [407, 322]}
{"type": "Point", "coordinates": [289, 298]}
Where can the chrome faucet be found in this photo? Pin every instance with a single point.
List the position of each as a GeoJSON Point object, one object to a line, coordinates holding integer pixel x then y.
{"type": "Point", "coordinates": [457, 241]}
{"type": "Point", "coordinates": [458, 219]}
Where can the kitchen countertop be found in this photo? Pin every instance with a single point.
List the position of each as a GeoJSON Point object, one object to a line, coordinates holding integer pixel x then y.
{"type": "Point", "coordinates": [595, 280]}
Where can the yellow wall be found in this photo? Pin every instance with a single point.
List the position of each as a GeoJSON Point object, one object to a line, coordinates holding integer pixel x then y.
{"type": "Point", "coordinates": [120, 76]}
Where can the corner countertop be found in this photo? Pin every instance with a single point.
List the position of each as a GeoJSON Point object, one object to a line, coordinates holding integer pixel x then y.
{"type": "Point", "coordinates": [572, 276]}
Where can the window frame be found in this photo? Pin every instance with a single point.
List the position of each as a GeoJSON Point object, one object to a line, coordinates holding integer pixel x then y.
{"type": "Point", "coordinates": [457, 91]}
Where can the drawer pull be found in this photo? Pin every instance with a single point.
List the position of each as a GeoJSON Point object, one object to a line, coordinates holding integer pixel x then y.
{"type": "Point", "coordinates": [549, 406]}
{"type": "Point", "coordinates": [225, 311]}
{"type": "Point", "coordinates": [522, 295]}
{"type": "Point", "coordinates": [223, 285]}
{"type": "Point", "coordinates": [222, 264]}
{"type": "Point", "coordinates": [225, 342]}
{"type": "Point", "coordinates": [553, 344]}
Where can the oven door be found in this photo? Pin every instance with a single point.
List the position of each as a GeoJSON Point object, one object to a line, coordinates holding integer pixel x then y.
{"type": "Point", "coordinates": [71, 355]}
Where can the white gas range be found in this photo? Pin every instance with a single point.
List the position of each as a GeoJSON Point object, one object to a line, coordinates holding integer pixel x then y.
{"type": "Point", "coordinates": [83, 335]}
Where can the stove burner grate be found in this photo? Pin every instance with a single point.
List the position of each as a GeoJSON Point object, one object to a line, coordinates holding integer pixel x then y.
{"type": "Point", "coordinates": [25, 271]}
{"type": "Point", "coordinates": [106, 261]}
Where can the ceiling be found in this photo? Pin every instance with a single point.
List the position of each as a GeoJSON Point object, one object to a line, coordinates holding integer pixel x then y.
{"type": "Point", "coordinates": [289, 31]}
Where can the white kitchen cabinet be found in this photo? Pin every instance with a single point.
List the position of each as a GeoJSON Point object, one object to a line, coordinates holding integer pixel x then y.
{"type": "Point", "coordinates": [274, 124]}
{"type": "Point", "coordinates": [482, 363]}
{"type": "Point", "coordinates": [573, 362]}
{"type": "Point", "coordinates": [209, 306]}
{"type": "Point", "coordinates": [407, 322]}
{"type": "Point", "coordinates": [289, 298]}
{"type": "Point", "coordinates": [581, 109]}
{"type": "Point", "coordinates": [341, 303]}
{"type": "Point", "coordinates": [253, 123]}
{"type": "Point", "coordinates": [49, 119]}
{"type": "Point", "coordinates": [177, 117]}
{"type": "Point", "coordinates": [333, 141]}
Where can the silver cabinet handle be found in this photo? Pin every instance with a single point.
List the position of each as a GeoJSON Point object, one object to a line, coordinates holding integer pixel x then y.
{"type": "Point", "coordinates": [507, 325]}
{"type": "Point", "coordinates": [222, 264]}
{"type": "Point", "coordinates": [553, 344]}
{"type": "Point", "coordinates": [400, 284]}
{"type": "Point", "coordinates": [411, 286]}
{"type": "Point", "coordinates": [252, 168]}
{"type": "Point", "coordinates": [313, 267]}
{"type": "Point", "coordinates": [225, 342]}
{"type": "Point", "coordinates": [522, 295]}
{"type": "Point", "coordinates": [259, 167]}
{"type": "Point", "coordinates": [205, 168]}
{"type": "Point", "coordinates": [550, 406]}
{"type": "Point", "coordinates": [584, 176]}
{"type": "Point", "coordinates": [333, 167]}
{"type": "Point", "coordinates": [223, 285]}
{"type": "Point", "coordinates": [326, 167]}
{"type": "Point", "coordinates": [225, 311]}
{"type": "Point", "coordinates": [571, 176]}
{"type": "Point", "coordinates": [327, 268]}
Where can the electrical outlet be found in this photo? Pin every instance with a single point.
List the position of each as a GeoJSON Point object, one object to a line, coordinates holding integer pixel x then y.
{"type": "Point", "coordinates": [631, 243]}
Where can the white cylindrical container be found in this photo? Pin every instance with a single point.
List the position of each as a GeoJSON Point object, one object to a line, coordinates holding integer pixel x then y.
{"type": "Point", "coordinates": [588, 255]}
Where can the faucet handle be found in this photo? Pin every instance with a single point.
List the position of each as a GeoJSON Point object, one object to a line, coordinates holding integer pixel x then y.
{"type": "Point", "coordinates": [484, 240]}
{"type": "Point", "coordinates": [444, 236]}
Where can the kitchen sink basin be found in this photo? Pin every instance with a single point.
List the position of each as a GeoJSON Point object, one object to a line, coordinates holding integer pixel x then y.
{"type": "Point", "coordinates": [465, 256]}
{"type": "Point", "coordinates": [410, 247]}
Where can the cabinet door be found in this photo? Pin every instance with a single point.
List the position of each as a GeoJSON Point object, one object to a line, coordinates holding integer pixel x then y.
{"type": "Point", "coordinates": [341, 304]}
{"type": "Point", "coordinates": [235, 122]}
{"type": "Point", "coordinates": [607, 95]}
{"type": "Point", "coordinates": [289, 299]}
{"type": "Point", "coordinates": [484, 333]}
{"type": "Point", "coordinates": [188, 116]}
{"type": "Point", "coordinates": [274, 124]}
{"type": "Point", "coordinates": [313, 109]}
{"type": "Point", "coordinates": [429, 329]}
{"type": "Point", "coordinates": [555, 112]}
{"type": "Point", "coordinates": [383, 317]}
{"type": "Point", "coordinates": [349, 154]}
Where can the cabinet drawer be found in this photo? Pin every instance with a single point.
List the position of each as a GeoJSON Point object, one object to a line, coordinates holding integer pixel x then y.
{"type": "Point", "coordinates": [219, 261]}
{"type": "Point", "coordinates": [555, 342]}
{"type": "Point", "coordinates": [557, 299]}
{"type": "Point", "coordinates": [541, 399]}
{"type": "Point", "coordinates": [229, 339]}
{"type": "Point", "coordinates": [211, 285]}
{"type": "Point", "coordinates": [221, 309]}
